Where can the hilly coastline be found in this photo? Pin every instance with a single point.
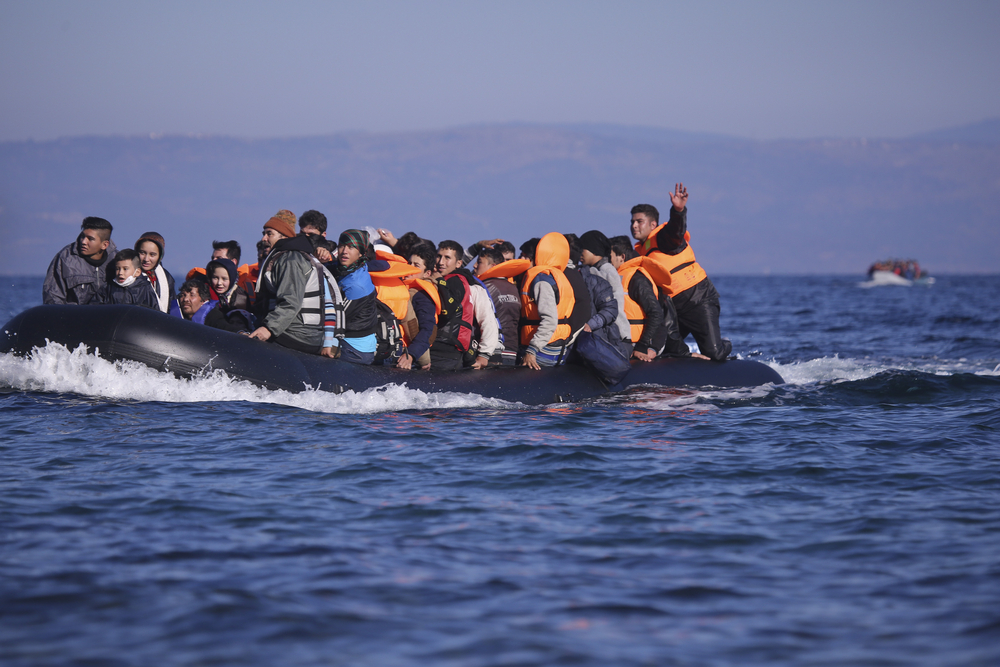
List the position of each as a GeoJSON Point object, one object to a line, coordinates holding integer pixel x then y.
{"type": "Point", "coordinates": [757, 207]}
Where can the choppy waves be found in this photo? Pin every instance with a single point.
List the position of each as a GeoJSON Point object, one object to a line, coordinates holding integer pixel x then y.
{"type": "Point", "coordinates": [56, 369]}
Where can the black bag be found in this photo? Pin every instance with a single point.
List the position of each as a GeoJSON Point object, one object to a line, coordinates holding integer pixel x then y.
{"type": "Point", "coordinates": [390, 336]}
{"type": "Point", "coordinates": [607, 361]}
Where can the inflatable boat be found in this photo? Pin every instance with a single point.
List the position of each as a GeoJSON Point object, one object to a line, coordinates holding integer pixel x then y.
{"type": "Point", "coordinates": [884, 278]}
{"type": "Point", "coordinates": [174, 345]}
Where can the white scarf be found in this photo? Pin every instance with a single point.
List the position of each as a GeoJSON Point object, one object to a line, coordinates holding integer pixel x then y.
{"type": "Point", "coordinates": [162, 298]}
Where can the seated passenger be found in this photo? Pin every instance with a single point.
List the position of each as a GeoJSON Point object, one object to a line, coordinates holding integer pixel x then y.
{"type": "Point", "coordinates": [193, 302]}
{"type": "Point", "coordinates": [79, 272]}
{"type": "Point", "coordinates": [129, 286]}
{"type": "Point", "coordinates": [233, 301]}
{"type": "Point", "coordinates": [461, 284]}
{"type": "Point", "coordinates": [313, 222]}
{"type": "Point", "coordinates": [473, 250]}
{"type": "Point", "coordinates": [603, 320]}
{"type": "Point", "coordinates": [506, 249]}
{"type": "Point", "coordinates": [297, 298]}
{"type": "Point", "coordinates": [150, 248]}
{"type": "Point", "coordinates": [419, 325]}
{"type": "Point", "coordinates": [359, 343]}
{"type": "Point", "coordinates": [642, 305]}
{"type": "Point", "coordinates": [554, 310]}
{"type": "Point", "coordinates": [595, 249]}
{"type": "Point", "coordinates": [528, 248]}
{"type": "Point", "coordinates": [506, 304]}
{"type": "Point", "coordinates": [226, 250]}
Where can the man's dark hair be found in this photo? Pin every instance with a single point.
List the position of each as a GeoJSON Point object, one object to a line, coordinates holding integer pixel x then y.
{"type": "Point", "coordinates": [313, 218]}
{"type": "Point", "coordinates": [97, 224]}
{"type": "Point", "coordinates": [492, 254]}
{"type": "Point", "coordinates": [232, 249]}
{"type": "Point", "coordinates": [199, 286]}
{"type": "Point", "coordinates": [574, 248]}
{"type": "Point", "coordinates": [128, 255]}
{"type": "Point", "coordinates": [453, 245]}
{"type": "Point", "coordinates": [425, 251]}
{"type": "Point", "coordinates": [261, 250]}
{"type": "Point", "coordinates": [528, 248]}
{"type": "Point", "coordinates": [648, 209]}
{"type": "Point", "coordinates": [405, 243]}
{"type": "Point", "coordinates": [505, 247]}
{"type": "Point", "coordinates": [622, 245]}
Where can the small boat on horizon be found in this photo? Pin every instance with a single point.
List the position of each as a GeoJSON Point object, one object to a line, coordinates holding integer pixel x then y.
{"type": "Point", "coordinates": [899, 272]}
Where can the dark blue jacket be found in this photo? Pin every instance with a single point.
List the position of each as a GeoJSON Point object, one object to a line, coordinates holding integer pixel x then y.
{"type": "Point", "coordinates": [139, 293]}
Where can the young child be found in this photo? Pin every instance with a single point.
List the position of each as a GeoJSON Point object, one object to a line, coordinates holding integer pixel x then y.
{"type": "Point", "coordinates": [233, 300]}
{"type": "Point", "coordinates": [129, 286]}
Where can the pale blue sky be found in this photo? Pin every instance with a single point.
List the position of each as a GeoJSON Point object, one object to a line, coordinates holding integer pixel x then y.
{"type": "Point", "coordinates": [257, 69]}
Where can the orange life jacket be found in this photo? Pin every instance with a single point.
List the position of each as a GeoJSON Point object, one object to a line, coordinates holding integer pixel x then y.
{"type": "Point", "coordinates": [633, 311]}
{"type": "Point", "coordinates": [529, 309]}
{"type": "Point", "coordinates": [409, 320]}
{"type": "Point", "coordinates": [508, 269]}
{"type": "Point", "coordinates": [246, 278]}
{"type": "Point", "coordinates": [389, 286]}
{"type": "Point", "coordinates": [672, 273]}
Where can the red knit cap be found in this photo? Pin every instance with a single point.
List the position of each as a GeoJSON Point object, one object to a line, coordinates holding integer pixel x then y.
{"type": "Point", "coordinates": [282, 226]}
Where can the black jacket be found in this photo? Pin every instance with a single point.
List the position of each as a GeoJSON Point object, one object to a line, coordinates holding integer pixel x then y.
{"type": "Point", "coordinates": [139, 293]}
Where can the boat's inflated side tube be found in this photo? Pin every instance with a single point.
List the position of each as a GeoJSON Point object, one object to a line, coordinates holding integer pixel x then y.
{"type": "Point", "coordinates": [173, 344]}
{"type": "Point", "coordinates": [691, 372]}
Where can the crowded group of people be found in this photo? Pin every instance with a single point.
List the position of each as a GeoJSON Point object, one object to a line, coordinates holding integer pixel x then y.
{"type": "Point", "coordinates": [907, 268]}
{"type": "Point", "coordinates": [372, 298]}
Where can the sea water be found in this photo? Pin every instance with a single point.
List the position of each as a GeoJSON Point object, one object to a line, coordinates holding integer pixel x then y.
{"type": "Point", "coordinates": [848, 517]}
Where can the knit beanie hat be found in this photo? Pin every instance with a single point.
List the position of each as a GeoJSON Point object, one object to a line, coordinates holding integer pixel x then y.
{"type": "Point", "coordinates": [355, 238]}
{"type": "Point", "coordinates": [596, 242]}
{"type": "Point", "coordinates": [151, 236]}
{"type": "Point", "coordinates": [281, 225]}
{"type": "Point", "coordinates": [228, 265]}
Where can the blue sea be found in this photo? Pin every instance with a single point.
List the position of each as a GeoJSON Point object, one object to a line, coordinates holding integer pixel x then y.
{"type": "Point", "coordinates": [848, 517]}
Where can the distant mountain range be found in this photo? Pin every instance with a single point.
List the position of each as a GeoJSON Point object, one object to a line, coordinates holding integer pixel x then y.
{"type": "Point", "coordinates": [810, 206]}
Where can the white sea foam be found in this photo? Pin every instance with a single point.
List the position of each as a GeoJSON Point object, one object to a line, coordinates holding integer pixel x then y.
{"type": "Point", "coordinates": [835, 369]}
{"type": "Point", "coordinates": [798, 375]}
{"type": "Point", "coordinates": [826, 369]}
{"type": "Point", "coordinates": [697, 400]}
{"type": "Point", "coordinates": [56, 369]}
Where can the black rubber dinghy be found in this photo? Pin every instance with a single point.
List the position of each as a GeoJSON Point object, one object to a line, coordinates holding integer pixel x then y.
{"type": "Point", "coordinates": [171, 344]}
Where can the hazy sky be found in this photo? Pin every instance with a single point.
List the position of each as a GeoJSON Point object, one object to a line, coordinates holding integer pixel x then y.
{"type": "Point", "coordinates": [253, 69]}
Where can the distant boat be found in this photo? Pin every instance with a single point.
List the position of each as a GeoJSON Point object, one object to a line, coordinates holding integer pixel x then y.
{"type": "Point", "coordinates": [901, 272]}
{"type": "Point", "coordinates": [884, 278]}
